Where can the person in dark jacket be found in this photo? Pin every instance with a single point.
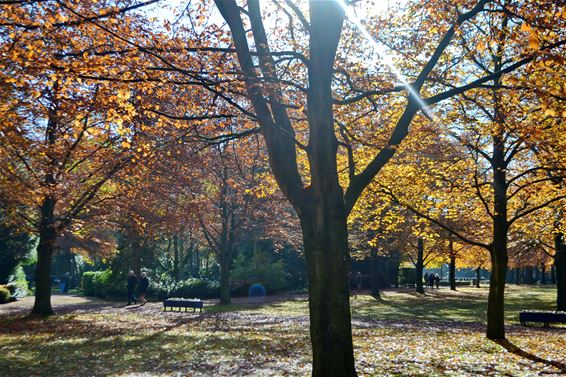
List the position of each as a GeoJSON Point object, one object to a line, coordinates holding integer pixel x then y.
{"type": "Point", "coordinates": [65, 280]}
{"type": "Point", "coordinates": [431, 280]}
{"type": "Point", "coordinates": [132, 282]}
{"type": "Point", "coordinates": [144, 284]}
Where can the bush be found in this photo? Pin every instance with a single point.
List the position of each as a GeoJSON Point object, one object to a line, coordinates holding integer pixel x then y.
{"type": "Point", "coordinates": [159, 290]}
{"type": "Point", "coordinates": [5, 295]}
{"type": "Point", "coordinates": [97, 283]}
{"type": "Point", "coordinates": [260, 268]}
{"type": "Point", "coordinates": [190, 288]}
{"type": "Point", "coordinates": [195, 288]}
{"type": "Point", "coordinates": [17, 284]}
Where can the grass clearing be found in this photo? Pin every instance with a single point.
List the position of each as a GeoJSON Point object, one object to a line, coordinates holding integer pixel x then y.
{"type": "Point", "coordinates": [440, 333]}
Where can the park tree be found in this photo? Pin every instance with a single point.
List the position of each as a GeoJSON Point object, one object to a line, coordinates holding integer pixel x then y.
{"type": "Point", "coordinates": [378, 230]}
{"type": "Point", "coordinates": [541, 241]}
{"type": "Point", "coordinates": [239, 200]}
{"type": "Point", "coordinates": [508, 129]}
{"type": "Point", "coordinates": [452, 250]}
{"type": "Point", "coordinates": [69, 129]}
{"type": "Point", "coordinates": [60, 137]}
{"type": "Point", "coordinates": [329, 124]}
{"type": "Point", "coordinates": [233, 201]}
{"type": "Point", "coordinates": [293, 76]}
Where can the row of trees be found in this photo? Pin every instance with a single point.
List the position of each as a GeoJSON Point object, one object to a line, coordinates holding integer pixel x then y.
{"type": "Point", "coordinates": [111, 121]}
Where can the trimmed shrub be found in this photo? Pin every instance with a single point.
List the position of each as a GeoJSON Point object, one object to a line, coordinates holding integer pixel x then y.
{"type": "Point", "coordinates": [259, 268]}
{"type": "Point", "coordinates": [97, 283]}
{"type": "Point", "coordinates": [195, 288]}
{"type": "Point", "coordinates": [5, 295]}
{"type": "Point", "coordinates": [190, 288]}
{"type": "Point", "coordinates": [159, 290]}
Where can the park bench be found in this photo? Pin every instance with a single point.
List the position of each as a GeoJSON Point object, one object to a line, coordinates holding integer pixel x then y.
{"type": "Point", "coordinates": [183, 303]}
{"type": "Point", "coordinates": [544, 317]}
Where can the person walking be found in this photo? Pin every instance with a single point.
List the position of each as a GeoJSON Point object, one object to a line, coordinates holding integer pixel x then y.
{"type": "Point", "coordinates": [426, 279]}
{"type": "Point", "coordinates": [437, 281]}
{"type": "Point", "coordinates": [65, 281]}
{"type": "Point", "coordinates": [144, 284]}
{"type": "Point", "coordinates": [132, 282]}
{"type": "Point", "coordinates": [431, 280]}
{"type": "Point", "coordinates": [359, 281]}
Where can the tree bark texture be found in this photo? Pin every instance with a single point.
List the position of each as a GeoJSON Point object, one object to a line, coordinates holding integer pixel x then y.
{"type": "Point", "coordinates": [452, 272]}
{"type": "Point", "coordinates": [225, 267]}
{"type": "Point", "coordinates": [498, 252]}
{"type": "Point", "coordinates": [560, 271]}
{"type": "Point", "coordinates": [328, 261]}
{"type": "Point", "coordinates": [45, 251]}
{"type": "Point", "coordinates": [420, 266]}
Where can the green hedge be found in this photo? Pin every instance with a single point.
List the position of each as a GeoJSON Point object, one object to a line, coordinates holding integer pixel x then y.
{"type": "Point", "coordinates": [97, 283]}
{"type": "Point", "coordinates": [190, 288]}
{"type": "Point", "coordinates": [5, 295]}
{"type": "Point", "coordinates": [104, 284]}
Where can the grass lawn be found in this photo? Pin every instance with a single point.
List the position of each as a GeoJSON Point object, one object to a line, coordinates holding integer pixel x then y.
{"type": "Point", "coordinates": [440, 333]}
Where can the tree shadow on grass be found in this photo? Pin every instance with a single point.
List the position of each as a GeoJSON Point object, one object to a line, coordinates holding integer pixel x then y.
{"type": "Point", "coordinates": [95, 349]}
{"type": "Point", "coordinates": [512, 348]}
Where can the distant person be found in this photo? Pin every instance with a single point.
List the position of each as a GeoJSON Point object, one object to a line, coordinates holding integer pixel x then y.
{"type": "Point", "coordinates": [426, 279]}
{"type": "Point", "coordinates": [144, 284]}
{"type": "Point", "coordinates": [350, 281]}
{"type": "Point", "coordinates": [359, 281]}
{"type": "Point", "coordinates": [431, 281]}
{"type": "Point", "coordinates": [65, 281]}
{"type": "Point", "coordinates": [132, 282]}
{"type": "Point", "coordinates": [437, 281]}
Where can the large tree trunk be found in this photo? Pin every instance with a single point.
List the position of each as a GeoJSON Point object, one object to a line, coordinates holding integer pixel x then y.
{"type": "Point", "coordinates": [176, 258]}
{"type": "Point", "coordinates": [225, 266]}
{"type": "Point", "coordinates": [326, 247]}
{"type": "Point", "coordinates": [452, 272]}
{"type": "Point", "coordinates": [560, 270]}
{"type": "Point", "coordinates": [498, 252]}
{"type": "Point", "coordinates": [419, 266]}
{"type": "Point", "coordinates": [45, 250]}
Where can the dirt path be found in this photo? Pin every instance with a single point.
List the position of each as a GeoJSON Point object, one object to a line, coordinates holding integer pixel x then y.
{"type": "Point", "coordinates": [67, 303]}
{"type": "Point", "coordinates": [60, 303]}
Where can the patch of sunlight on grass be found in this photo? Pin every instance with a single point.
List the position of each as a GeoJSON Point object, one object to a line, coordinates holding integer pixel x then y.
{"type": "Point", "coordinates": [422, 335]}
